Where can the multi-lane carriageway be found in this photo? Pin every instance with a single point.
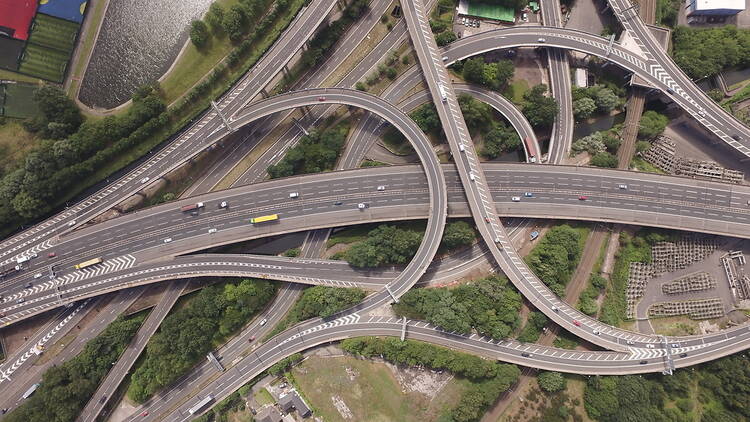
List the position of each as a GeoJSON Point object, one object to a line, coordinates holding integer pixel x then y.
{"type": "Point", "coordinates": [129, 242]}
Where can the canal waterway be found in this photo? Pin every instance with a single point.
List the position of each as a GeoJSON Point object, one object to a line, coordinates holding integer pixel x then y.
{"type": "Point", "coordinates": [138, 41]}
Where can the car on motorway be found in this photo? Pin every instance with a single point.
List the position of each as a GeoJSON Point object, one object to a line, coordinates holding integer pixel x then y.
{"type": "Point", "coordinates": [21, 300]}
{"type": "Point", "coordinates": [596, 333]}
{"type": "Point", "coordinates": [541, 40]}
{"type": "Point", "coordinates": [524, 17]}
{"type": "Point", "coordinates": [461, 147]}
{"type": "Point", "coordinates": [212, 230]}
{"type": "Point", "coordinates": [294, 195]}
{"type": "Point", "coordinates": [630, 342]}
{"type": "Point", "coordinates": [51, 255]}
{"type": "Point", "coordinates": [526, 355]}
{"type": "Point", "coordinates": [223, 204]}
{"type": "Point", "coordinates": [472, 177]}
{"type": "Point", "coordinates": [486, 219]}
{"type": "Point", "coordinates": [515, 198]}
{"type": "Point", "coordinates": [674, 345]}
{"type": "Point", "coordinates": [337, 203]}
{"type": "Point", "coordinates": [381, 188]}
{"type": "Point", "coordinates": [577, 323]}
{"type": "Point", "coordinates": [103, 399]}
{"type": "Point", "coordinates": [251, 339]}
{"type": "Point", "coordinates": [643, 362]}
{"type": "Point", "coordinates": [321, 98]}
{"type": "Point", "coordinates": [145, 179]}
{"type": "Point", "coordinates": [702, 112]}
{"type": "Point", "coordinates": [683, 355]}
{"type": "Point", "coordinates": [72, 223]}
{"type": "Point", "coordinates": [736, 137]}
{"type": "Point", "coordinates": [37, 275]}
{"type": "Point", "coordinates": [263, 321]}
{"type": "Point", "coordinates": [650, 346]}
{"type": "Point", "coordinates": [145, 413]}
{"type": "Point", "coordinates": [670, 90]}
{"type": "Point", "coordinates": [554, 308]}
{"type": "Point", "coordinates": [583, 198]}
{"type": "Point", "coordinates": [28, 285]}
{"type": "Point", "coordinates": [362, 205]}
{"type": "Point", "coordinates": [528, 194]}
{"type": "Point", "coordinates": [167, 240]}
{"type": "Point", "coordinates": [622, 186]}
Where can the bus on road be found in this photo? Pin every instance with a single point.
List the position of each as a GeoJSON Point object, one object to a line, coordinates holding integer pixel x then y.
{"type": "Point", "coordinates": [30, 391]}
{"type": "Point", "coordinates": [88, 263]}
{"type": "Point", "coordinates": [201, 404]}
{"type": "Point", "coordinates": [263, 219]}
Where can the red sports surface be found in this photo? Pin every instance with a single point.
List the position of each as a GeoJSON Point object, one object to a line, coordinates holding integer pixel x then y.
{"type": "Point", "coordinates": [17, 15]}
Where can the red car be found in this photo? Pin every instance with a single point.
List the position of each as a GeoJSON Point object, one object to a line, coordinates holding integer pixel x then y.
{"type": "Point", "coordinates": [321, 98]}
{"type": "Point", "coordinates": [144, 414]}
{"type": "Point", "coordinates": [576, 323]}
{"type": "Point", "coordinates": [51, 255]}
{"type": "Point", "coordinates": [251, 339]}
{"type": "Point", "coordinates": [583, 198]}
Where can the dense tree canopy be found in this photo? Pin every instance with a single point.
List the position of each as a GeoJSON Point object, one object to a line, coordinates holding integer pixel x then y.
{"type": "Point", "coordinates": [65, 389]}
{"type": "Point", "coordinates": [501, 138]}
{"type": "Point", "coordinates": [186, 335]}
{"type": "Point", "coordinates": [706, 51]}
{"type": "Point", "coordinates": [322, 301]}
{"type": "Point", "coordinates": [315, 153]}
{"type": "Point", "coordinates": [456, 234]}
{"type": "Point", "coordinates": [199, 33]}
{"type": "Point", "coordinates": [652, 124]}
{"type": "Point", "coordinates": [491, 75]}
{"type": "Point", "coordinates": [385, 244]}
{"type": "Point", "coordinates": [556, 256]}
{"type": "Point", "coordinates": [489, 305]}
{"type": "Point", "coordinates": [551, 381]}
{"type": "Point", "coordinates": [604, 159]}
{"type": "Point", "coordinates": [538, 108]}
{"type": "Point", "coordinates": [584, 108]}
{"type": "Point", "coordinates": [60, 116]}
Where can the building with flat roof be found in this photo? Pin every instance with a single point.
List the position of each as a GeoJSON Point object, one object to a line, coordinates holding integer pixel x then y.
{"type": "Point", "coordinates": [714, 7]}
{"type": "Point", "coordinates": [268, 414]}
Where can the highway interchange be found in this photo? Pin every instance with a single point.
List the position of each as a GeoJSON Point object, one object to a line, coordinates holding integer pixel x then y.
{"type": "Point", "coordinates": [426, 196]}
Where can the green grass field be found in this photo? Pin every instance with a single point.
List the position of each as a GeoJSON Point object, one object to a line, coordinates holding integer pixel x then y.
{"type": "Point", "coordinates": [19, 101]}
{"type": "Point", "coordinates": [43, 62]}
{"type": "Point", "coordinates": [54, 33]}
{"type": "Point", "coordinates": [492, 11]}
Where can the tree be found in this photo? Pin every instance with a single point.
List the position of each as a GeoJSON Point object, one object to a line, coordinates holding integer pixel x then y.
{"type": "Point", "coordinates": [360, 86]}
{"type": "Point", "coordinates": [505, 71]}
{"type": "Point", "coordinates": [456, 234]}
{"type": "Point", "coordinates": [499, 140]}
{"type": "Point", "coordinates": [234, 22]}
{"type": "Point", "coordinates": [539, 109]}
{"type": "Point", "coordinates": [427, 118]}
{"type": "Point", "coordinates": [716, 94]}
{"type": "Point", "coordinates": [445, 38]}
{"type": "Point", "coordinates": [473, 70]}
{"type": "Point", "coordinates": [215, 16]}
{"type": "Point", "coordinates": [478, 115]}
{"type": "Point", "coordinates": [612, 142]}
{"type": "Point", "coordinates": [606, 100]}
{"type": "Point", "coordinates": [199, 33]}
{"type": "Point", "coordinates": [60, 116]}
{"type": "Point", "coordinates": [391, 73]}
{"type": "Point", "coordinates": [642, 146]}
{"type": "Point", "coordinates": [584, 108]}
{"type": "Point", "coordinates": [652, 124]}
{"type": "Point", "coordinates": [551, 381]}
{"type": "Point", "coordinates": [604, 159]}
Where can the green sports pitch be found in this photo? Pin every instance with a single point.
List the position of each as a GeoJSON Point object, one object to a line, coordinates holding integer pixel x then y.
{"type": "Point", "coordinates": [491, 11]}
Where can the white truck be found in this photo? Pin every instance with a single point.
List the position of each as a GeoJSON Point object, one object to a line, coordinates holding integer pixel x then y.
{"type": "Point", "coordinates": [443, 93]}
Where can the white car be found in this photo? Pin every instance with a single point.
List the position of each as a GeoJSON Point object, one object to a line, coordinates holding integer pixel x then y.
{"type": "Point", "coordinates": [650, 346]}
{"type": "Point", "coordinates": [223, 204]}
{"type": "Point", "coordinates": [263, 321]}
{"type": "Point", "coordinates": [516, 199]}
{"type": "Point", "coordinates": [630, 342]}
{"type": "Point", "coordinates": [167, 240]}
{"type": "Point", "coordinates": [381, 188]}
{"type": "Point", "coordinates": [38, 275]}
{"type": "Point", "coordinates": [472, 177]}
{"type": "Point", "coordinates": [294, 195]}
{"type": "Point", "coordinates": [72, 223]}
{"type": "Point", "coordinates": [541, 40]}
{"type": "Point", "coordinates": [361, 205]}
{"type": "Point", "coordinates": [145, 179]}
{"type": "Point", "coordinates": [622, 186]}
{"type": "Point", "coordinates": [461, 147]}
{"type": "Point", "coordinates": [211, 231]}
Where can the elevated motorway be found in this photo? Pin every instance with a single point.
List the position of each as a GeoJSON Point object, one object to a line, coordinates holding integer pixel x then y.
{"type": "Point", "coordinates": [649, 199]}
{"type": "Point", "coordinates": [194, 139]}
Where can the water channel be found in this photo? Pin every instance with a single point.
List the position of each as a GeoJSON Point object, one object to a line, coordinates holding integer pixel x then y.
{"type": "Point", "coordinates": [138, 41]}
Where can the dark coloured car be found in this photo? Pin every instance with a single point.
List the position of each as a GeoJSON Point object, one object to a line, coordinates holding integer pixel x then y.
{"type": "Point", "coordinates": [526, 355]}
{"type": "Point", "coordinates": [643, 362]}
{"type": "Point", "coordinates": [683, 355]}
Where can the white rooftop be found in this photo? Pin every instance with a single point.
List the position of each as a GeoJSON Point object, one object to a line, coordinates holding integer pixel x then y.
{"type": "Point", "coordinates": [719, 4]}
